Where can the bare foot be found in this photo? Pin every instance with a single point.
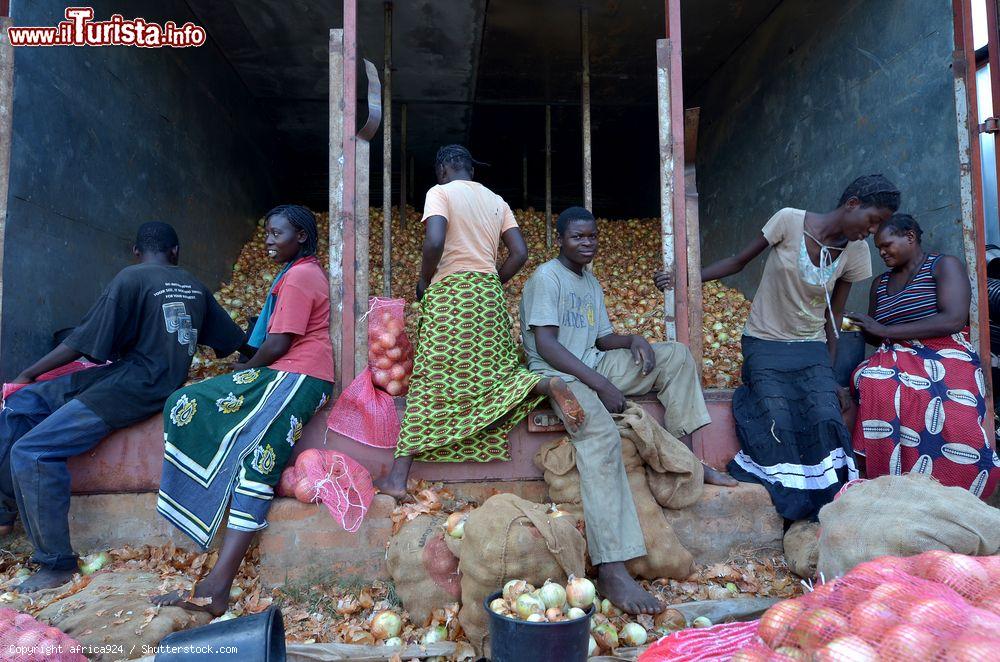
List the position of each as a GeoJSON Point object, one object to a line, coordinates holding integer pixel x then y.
{"type": "Point", "coordinates": [45, 578]}
{"type": "Point", "coordinates": [617, 585]}
{"type": "Point", "coordinates": [217, 606]}
{"type": "Point", "coordinates": [564, 400]}
{"type": "Point", "coordinates": [715, 477]}
{"type": "Point", "coordinates": [387, 485]}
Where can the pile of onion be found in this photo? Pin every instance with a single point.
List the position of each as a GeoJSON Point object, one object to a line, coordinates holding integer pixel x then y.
{"type": "Point", "coordinates": [554, 603]}
{"type": "Point", "coordinates": [937, 605]}
{"type": "Point", "coordinates": [624, 266]}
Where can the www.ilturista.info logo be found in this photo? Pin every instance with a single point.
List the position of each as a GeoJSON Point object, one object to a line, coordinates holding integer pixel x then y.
{"type": "Point", "coordinates": [79, 29]}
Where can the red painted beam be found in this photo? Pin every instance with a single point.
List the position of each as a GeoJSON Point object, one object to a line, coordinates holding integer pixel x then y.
{"type": "Point", "coordinates": [350, 194]}
{"type": "Point", "coordinates": [973, 233]}
{"type": "Point", "coordinates": [682, 319]}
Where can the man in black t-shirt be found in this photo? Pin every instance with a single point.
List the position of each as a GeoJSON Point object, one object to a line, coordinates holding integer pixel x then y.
{"type": "Point", "coordinates": [145, 328]}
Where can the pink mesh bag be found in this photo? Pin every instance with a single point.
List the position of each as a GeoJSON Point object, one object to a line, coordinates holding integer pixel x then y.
{"type": "Point", "coordinates": [365, 414]}
{"type": "Point", "coordinates": [719, 642]}
{"type": "Point", "coordinates": [344, 486]}
{"type": "Point", "coordinates": [937, 607]}
{"type": "Point", "coordinates": [25, 639]}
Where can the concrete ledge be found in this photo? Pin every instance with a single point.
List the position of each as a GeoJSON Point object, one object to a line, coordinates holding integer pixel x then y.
{"type": "Point", "coordinates": [130, 460]}
{"type": "Point", "coordinates": [302, 540]}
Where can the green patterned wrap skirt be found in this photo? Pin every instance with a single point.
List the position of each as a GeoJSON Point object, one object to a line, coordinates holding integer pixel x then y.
{"type": "Point", "coordinates": [466, 375]}
{"type": "Point", "coordinates": [226, 441]}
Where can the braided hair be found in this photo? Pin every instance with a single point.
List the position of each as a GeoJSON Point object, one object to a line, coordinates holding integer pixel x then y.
{"type": "Point", "coordinates": [303, 219]}
{"type": "Point", "coordinates": [900, 224]}
{"type": "Point", "coordinates": [872, 191]}
{"type": "Point", "coordinates": [456, 156]}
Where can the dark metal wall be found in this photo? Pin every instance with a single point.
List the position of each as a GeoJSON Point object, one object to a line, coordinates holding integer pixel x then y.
{"type": "Point", "coordinates": [105, 139]}
{"type": "Point", "coordinates": [820, 93]}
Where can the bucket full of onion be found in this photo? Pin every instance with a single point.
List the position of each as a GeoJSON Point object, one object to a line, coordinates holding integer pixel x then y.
{"type": "Point", "coordinates": [524, 628]}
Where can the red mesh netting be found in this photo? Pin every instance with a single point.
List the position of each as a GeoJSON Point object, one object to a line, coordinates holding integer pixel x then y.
{"type": "Point", "coordinates": [390, 353]}
{"type": "Point", "coordinates": [24, 639]}
{"type": "Point", "coordinates": [344, 486]}
{"type": "Point", "coordinates": [937, 606]}
{"type": "Point", "coordinates": [365, 414]}
{"type": "Point", "coordinates": [718, 642]}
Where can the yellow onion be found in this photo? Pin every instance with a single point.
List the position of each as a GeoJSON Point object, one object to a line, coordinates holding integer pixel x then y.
{"type": "Point", "coordinates": [386, 624]}
{"type": "Point", "coordinates": [580, 592]}
{"type": "Point", "coordinates": [634, 634]}
{"type": "Point", "coordinates": [514, 588]}
{"type": "Point", "coordinates": [552, 594]}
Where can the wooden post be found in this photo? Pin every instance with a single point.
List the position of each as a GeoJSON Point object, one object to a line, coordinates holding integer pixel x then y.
{"type": "Point", "coordinates": [350, 110]}
{"type": "Point", "coordinates": [387, 156]}
{"type": "Point", "coordinates": [548, 176]}
{"type": "Point", "coordinates": [588, 185]}
{"type": "Point", "coordinates": [336, 202]}
{"type": "Point", "coordinates": [691, 220]}
{"type": "Point", "coordinates": [6, 129]}
{"type": "Point", "coordinates": [666, 183]}
{"type": "Point", "coordinates": [402, 167]}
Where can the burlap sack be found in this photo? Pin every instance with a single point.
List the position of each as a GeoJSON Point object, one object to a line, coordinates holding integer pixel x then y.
{"type": "Point", "coordinates": [424, 570]}
{"type": "Point", "coordinates": [903, 516]}
{"type": "Point", "coordinates": [675, 475]}
{"type": "Point", "coordinates": [665, 555]}
{"type": "Point", "coordinates": [801, 543]}
{"type": "Point", "coordinates": [113, 614]}
{"type": "Point", "coordinates": [510, 538]}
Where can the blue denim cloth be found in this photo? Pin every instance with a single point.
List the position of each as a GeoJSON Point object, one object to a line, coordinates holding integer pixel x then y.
{"type": "Point", "coordinates": [36, 439]}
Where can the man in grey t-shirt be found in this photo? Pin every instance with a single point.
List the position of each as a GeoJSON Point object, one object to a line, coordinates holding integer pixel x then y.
{"type": "Point", "coordinates": [567, 333]}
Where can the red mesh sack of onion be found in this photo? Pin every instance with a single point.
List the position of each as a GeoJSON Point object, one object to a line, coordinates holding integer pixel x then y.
{"type": "Point", "coordinates": [365, 411]}
{"type": "Point", "coordinates": [24, 639]}
{"type": "Point", "coordinates": [390, 353]}
{"type": "Point", "coordinates": [937, 606]}
{"type": "Point", "coordinates": [719, 642]}
{"type": "Point", "coordinates": [339, 482]}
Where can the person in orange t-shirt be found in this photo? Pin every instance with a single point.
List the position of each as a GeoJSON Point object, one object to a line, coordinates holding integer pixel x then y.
{"type": "Point", "coordinates": [468, 387]}
{"type": "Point", "coordinates": [227, 439]}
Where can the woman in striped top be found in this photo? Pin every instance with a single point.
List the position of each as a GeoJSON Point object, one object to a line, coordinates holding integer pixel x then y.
{"type": "Point", "coordinates": [921, 395]}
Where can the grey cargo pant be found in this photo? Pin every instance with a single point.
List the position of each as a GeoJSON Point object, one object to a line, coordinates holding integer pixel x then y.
{"type": "Point", "coordinates": [613, 531]}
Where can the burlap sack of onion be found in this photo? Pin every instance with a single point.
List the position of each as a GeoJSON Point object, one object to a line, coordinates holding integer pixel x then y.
{"type": "Point", "coordinates": [627, 260]}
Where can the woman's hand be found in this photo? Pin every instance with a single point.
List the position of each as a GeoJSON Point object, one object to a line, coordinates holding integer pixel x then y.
{"type": "Point", "coordinates": [867, 324]}
{"type": "Point", "coordinates": [663, 280]}
{"type": "Point", "coordinates": [642, 354]}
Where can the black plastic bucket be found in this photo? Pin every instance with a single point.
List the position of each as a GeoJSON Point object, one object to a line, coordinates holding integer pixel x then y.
{"type": "Point", "coordinates": [512, 640]}
{"type": "Point", "coordinates": [256, 638]}
{"type": "Point", "coordinates": [850, 352]}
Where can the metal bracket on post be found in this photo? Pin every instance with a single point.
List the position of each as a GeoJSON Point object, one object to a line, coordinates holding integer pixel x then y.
{"type": "Point", "coordinates": [991, 125]}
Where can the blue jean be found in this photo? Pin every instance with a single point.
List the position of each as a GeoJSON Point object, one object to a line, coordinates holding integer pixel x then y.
{"type": "Point", "coordinates": [36, 439]}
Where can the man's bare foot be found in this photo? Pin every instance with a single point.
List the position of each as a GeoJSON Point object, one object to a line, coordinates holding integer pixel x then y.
{"type": "Point", "coordinates": [614, 583]}
{"type": "Point", "coordinates": [45, 578]}
{"type": "Point", "coordinates": [218, 601]}
{"type": "Point", "coordinates": [562, 398]}
{"type": "Point", "coordinates": [715, 477]}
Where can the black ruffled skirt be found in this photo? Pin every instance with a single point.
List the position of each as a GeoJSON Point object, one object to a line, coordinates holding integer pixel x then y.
{"type": "Point", "coordinates": [792, 437]}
